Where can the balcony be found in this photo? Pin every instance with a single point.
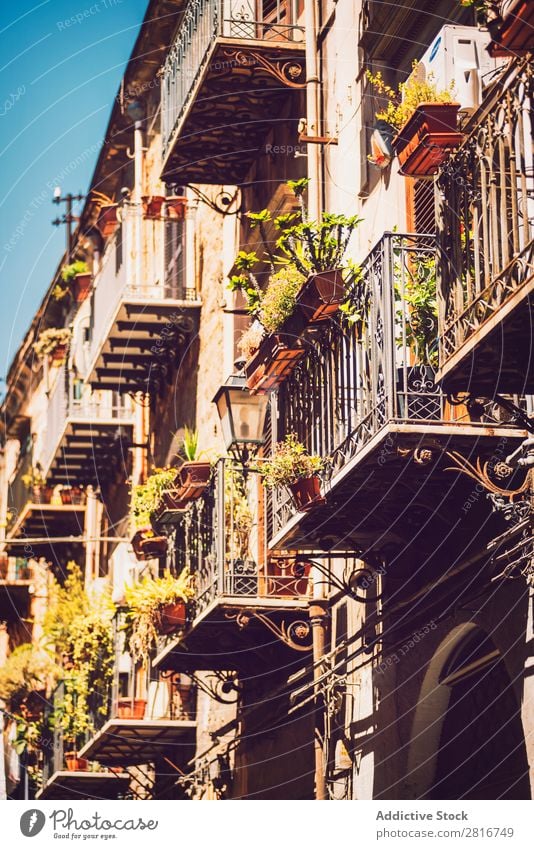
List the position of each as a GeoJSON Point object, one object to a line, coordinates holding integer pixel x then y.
{"type": "Point", "coordinates": [486, 234]}
{"type": "Point", "coordinates": [38, 513]}
{"type": "Point", "coordinates": [227, 77]}
{"type": "Point", "coordinates": [239, 603]}
{"type": "Point", "coordinates": [138, 329]}
{"type": "Point", "coordinates": [62, 783]}
{"type": "Point", "coordinates": [83, 439]}
{"type": "Point", "coordinates": [147, 718]}
{"type": "Point", "coordinates": [365, 396]}
{"type": "Point", "coordinates": [16, 579]}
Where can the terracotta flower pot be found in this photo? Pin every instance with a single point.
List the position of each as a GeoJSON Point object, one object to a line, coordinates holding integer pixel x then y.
{"type": "Point", "coordinates": [147, 545]}
{"type": "Point", "coordinates": [82, 287]}
{"type": "Point", "coordinates": [322, 294]}
{"type": "Point", "coordinates": [152, 206]}
{"type": "Point", "coordinates": [74, 763]}
{"type": "Point", "coordinates": [131, 708]}
{"type": "Point", "coordinates": [176, 208]}
{"type": "Point", "coordinates": [193, 480]}
{"type": "Point", "coordinates": [66, 495]}
{"type": "Point", "coordinates": [272, 363]}
{"type": "Point", "coordinates": [59, 354]}
{"type": "Point", "coordinates": [107, 219]}
{"type": "Point", "coordinates": [172, 617]}
{"type": "Point", "coordinates": [307, 493]}
{"type": "Point", "coordinates": [169, 510]}
{"type": "Point", "coordinates": [426, 139]}
{"type": "Point", "coordinates": [41, 494]}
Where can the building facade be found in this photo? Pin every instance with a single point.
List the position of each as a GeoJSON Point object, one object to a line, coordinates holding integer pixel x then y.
{"type": "Point", "coordinates": [372, 640]}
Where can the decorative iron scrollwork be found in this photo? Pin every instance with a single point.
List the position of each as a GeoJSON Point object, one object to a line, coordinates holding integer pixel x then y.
{"type": "Point", "coordinates": [355, 580]}
{"type": "Point", "coordinates": [292, 635]}
{"type": "Point", "coordinates": [290, 72]}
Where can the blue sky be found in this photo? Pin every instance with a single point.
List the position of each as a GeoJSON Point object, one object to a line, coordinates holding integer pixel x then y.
{"type": "Point", "coordinates": [60, 67]}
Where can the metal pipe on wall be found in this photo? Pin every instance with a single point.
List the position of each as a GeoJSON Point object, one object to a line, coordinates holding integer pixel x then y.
{"type": "Point", "coordinates": [311, 18]}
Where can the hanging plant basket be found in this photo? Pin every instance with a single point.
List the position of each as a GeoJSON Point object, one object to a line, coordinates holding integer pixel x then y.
{"type": "Point", "coordinates": [274, 360]}
{"type": "Point", "coordinates": [82, 287]}
{"type": "Point", "coordinates": [322, 294]}
{"type": "Point", "coordinates": [172, 617]}
{"type": "Point", "coordinates": [152, 207]}
{"type": "Point", "coordinates": [427, 137]}
{"type": "Point", "coordinates": [131, 708]}
{"type": "Point", "coordinates": [513, 34]}
{"type": "Point", "coordinates": [107, 219]}
{"type": "Point", "coordinates": [306, 493]}
{"type": "Point", "coordinates": [147, 545]}
{"type": "Point", "coordinates": [193, 479]}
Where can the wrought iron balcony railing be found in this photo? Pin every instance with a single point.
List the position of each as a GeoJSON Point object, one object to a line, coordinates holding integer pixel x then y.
{"type": "Point", "coordinates": [487, 214]}
{"type": "Point", "coordinates": [216, 538]}
{"type": "Point", "coordinates": [374, 369]}
{"type": "Point", "coordinates": [203, 22]}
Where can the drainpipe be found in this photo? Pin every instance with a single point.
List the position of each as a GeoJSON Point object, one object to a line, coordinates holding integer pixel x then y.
{"type": "Point", "coordinates": [312, 108]}
{"type": "Point", "coordinates": [137, 195]}
{"type": "Point", "coordinates": [318, 611]}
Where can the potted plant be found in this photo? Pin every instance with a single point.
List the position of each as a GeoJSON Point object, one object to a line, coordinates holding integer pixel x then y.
{"type": "Point", "coordinates": [107, 215]}
{"type": "Point", "coordinates": [510, 24]}
{"type": "Point", "coordinates": [317, 250]}
{"type": "Point", "coordinates": [155, 606]}
{"type": "Point", "coordinates": [176, 207]}
{"type": "Point", "coordinates": [273, 342]}
{"type": "Point", "coordinates": [24, 677]}
{"type": "Point", "coordinates": [291, 466]}
{"type": "Point", "coordinates": [424, 118]}
{"type": "Point", "coordinates": [146, 542]}
{"type": "Point", "coordinates": [77, 275]}
{"type": "Point", "coordinates": [35, 482]}
{"type": "Point", "coordinates": [53, 343]}
{"type": "Point", "coordinates": [194, 474]}
{"type": "Point", "coordinates": [71, 495]}
{"type": "Point", "coordinates": [152, 206]}
{"type": "Point", "coordinates": [131, 708]}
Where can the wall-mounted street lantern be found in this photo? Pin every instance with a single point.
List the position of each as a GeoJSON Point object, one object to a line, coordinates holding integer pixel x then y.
{"type": "Point", "coordinates": [242, 417]}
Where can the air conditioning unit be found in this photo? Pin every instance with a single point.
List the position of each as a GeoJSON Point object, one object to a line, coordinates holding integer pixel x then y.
{"type": "Point", "coordinates": [459, 54]}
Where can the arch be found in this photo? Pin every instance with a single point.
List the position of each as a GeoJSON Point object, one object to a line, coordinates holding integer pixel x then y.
{"type": "Point", "coordinates": [467, 737]}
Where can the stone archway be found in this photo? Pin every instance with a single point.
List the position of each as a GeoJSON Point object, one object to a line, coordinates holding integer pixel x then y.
{"type": "Point", "coordinates": [467, 737]}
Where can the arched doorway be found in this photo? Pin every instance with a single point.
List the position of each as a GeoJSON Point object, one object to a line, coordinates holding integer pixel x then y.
{"type": "Point", "coordinates": [481, 752]}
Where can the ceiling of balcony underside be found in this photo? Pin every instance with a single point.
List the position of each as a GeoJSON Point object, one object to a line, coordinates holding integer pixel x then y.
{"type": "Point", "coordinates": [145, 343]}
{"type": "Point", "coordinates": [401, 506]}
{"type": "Point", "coordinates": [239, 99]}
{"type": "Point", "coordinates": [131, 741]}
{"type": "Point", "coordinates": [91, 453]}
{"type": "Point", "coordinates": [498, 357]}
{"type": "Point", "coordinates": [228, 637]}
{"type": "Point", "coordinates": [84, 785]}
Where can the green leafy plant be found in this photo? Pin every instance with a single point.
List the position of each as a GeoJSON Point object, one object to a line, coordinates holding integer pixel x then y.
{"type": "Point", "coordinates": [59, 292]}
{"type": "Point", "coordinates": [28, 669]}
{"type": "Point", "coordinates": [190, 444]}
{"type": "Point", "coordinates": [315, 246]}
{"type": "Point", "coordinates": [239, 517]}
{"type": "Point", "coordinates": [419, 310]}
{"type": "Point", "coordinates": [289, 463]}
{"type": "Point", "coordinates": [144, 601]}
{"type": "Point", "coordinates": [51, 339]}
{"type": "Point", "coordinates": [146, 496]}
{"type": "Point", "coordinates": [69, 272]}
{"type": "Point", "coordinates": [402, 103]}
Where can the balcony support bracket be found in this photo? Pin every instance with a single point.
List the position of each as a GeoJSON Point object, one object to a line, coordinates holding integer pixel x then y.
{"type": "Point", "coordinates": [295, 635]}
